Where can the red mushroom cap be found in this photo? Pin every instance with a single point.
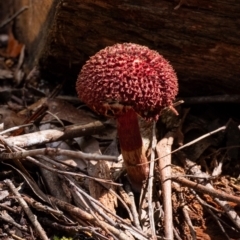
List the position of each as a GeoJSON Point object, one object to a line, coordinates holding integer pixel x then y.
{"type": "Point", "coordinates": [126, 76]}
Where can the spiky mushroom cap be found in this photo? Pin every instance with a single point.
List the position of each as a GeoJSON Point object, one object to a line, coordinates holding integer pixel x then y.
{"type": "Point", "coordinates": [126, 76]}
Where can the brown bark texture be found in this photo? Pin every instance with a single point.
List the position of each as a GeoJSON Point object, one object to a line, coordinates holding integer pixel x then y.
{"type": "Point", "coordinates": [200, 38]}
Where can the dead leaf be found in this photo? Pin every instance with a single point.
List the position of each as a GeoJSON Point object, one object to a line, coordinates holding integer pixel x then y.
{"type": "Point", "coordinates": [99, 169]}
{"type": "Point", "coordinates": [106, 197]}
{"type": "Point", "coordinates": [14, 47]}
{"type": "Point", "coordinates": [61, 109]}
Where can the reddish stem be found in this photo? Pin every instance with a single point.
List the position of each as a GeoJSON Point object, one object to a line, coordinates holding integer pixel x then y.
{"type": "Point", "coordinates": [132, 148]}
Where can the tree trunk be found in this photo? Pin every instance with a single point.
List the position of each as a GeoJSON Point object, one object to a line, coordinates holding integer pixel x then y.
{"type": "Point", "coordinates": [200, 38]}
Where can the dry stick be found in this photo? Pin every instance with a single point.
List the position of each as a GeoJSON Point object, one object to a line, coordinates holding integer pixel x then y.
{"type": "Point", "coordinates": [9, 209]}
{"type": "Point", "coordinates": [53, 135]}
{"type": "Point", "coordinates": [120, 200]}
{"type": "Point", "coordinates": [150, 182]}
{"type": "Point", "coordinates": [27, 210]}
{"type": "Point", "coordinates": [42, 208]}
{"type": "Point", "coordinates": [12, 129]}
{"type": "Point", "coordinates": [203, 189]}
{"type": "Point", "coordinates": [56, 117]}
{"type": "Point", "coordinates": [132, 206]}
{"type": "Point", "coordinates": [56, 226]}
{"type": "Point", "coordinates": [163, 152]}
{"type": "Point", "coordinates": [103, 207]}
{"type": "Point", "coordinates": [126, 201]}
{"type": "Point", "coordinates": [99, 211]}
{"type": "Point", "coordinates": [205, 204]}
{"type": "Point", "coordinates": [189, 222]}
{"type": "Point", "coordinates": [5, 217]}
{"type": "Point", "coordinates": [88, 209]}
{"type": "Point", "coordinates": [200, 138]}
{"type": "Point", "coordinates": [176, 234]}
{"type": "Point", "coordinates": [64, 172]}
{"type": "Point", "coordinates": [191, 143]}
{"type": "Point", "coordinates": [75, 211]}
{"type": "Point", "coordinates": [57, 152]}
{"type": "Point", "coordinates": [79, 197]}
{"type": "Point", "coordinates": [230, 212]}
{"type": "Point", "coordinates": [69, 173]}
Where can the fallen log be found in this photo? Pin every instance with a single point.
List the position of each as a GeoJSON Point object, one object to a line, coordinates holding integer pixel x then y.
{"type": "Point", "coordinates": [200, 38]}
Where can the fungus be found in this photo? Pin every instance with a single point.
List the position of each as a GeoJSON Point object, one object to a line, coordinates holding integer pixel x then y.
{"type": "Point", "coordinates": [125, 81]}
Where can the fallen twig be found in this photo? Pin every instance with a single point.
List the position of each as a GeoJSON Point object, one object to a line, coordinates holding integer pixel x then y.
{"type": "Point", "coordinates": [75, 211]}
{"type": "Point", "coordinates": [191, 143]}
{"type": "Point", "coordinates": [42, 208]}
{"type": "Point", "coordinates": [52, 135]}
{"type": "Point", "coordinates": [206, 205]}
{"type": "Point", "coordinates": [16, 149]}
{"type": "Point", "coordinates": [163, 151]}
{"type": "Point", "coordinates": [36, 162]}
{"type": "Point", "coordinates": [4, 216]}
{"type": "Point", "coordinates": [57, 152]}
{"type": "Point", "coordinates": [74, 229]}
{"type": "Point", "coordinates": [85, 204]}
{"type": "Point", "coordinates": [132, 206]}
{"type": "Point", "coordinates": [203, 189]}
{"type": "Point", "coordinates": [176, 235]}
{"type": "Point", "coordinates": [200, 138]}
{"type": "Point", "coordinates": [69, 173]}
{"type": "Point", "coordinates": [79, 194]}
{"type": "Point", "coordinates": [121, 200]}
{"type": "Point", "coordinates": [92, 200]}
{"type": "Point", "coordinates": [150, 182]}
{"type": "Point", "coordinates": [27, 210]}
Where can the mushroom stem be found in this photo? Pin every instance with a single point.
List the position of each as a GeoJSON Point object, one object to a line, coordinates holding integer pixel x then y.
{"type": "Point", "coordinates": [132, 148]}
